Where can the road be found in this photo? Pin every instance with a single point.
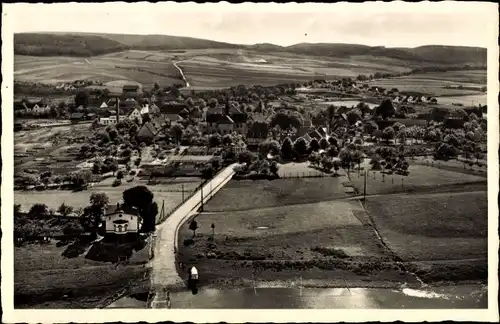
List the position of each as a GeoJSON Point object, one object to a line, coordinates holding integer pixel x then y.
{"type": "Point", "coordinates": [163, 268]}
{"type": "Point", "coordinates": [182, 73]}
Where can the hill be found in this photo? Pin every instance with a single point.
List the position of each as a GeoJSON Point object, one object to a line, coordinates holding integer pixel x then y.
{"type": "Point", "coordinates": [87, 44]}
{"type": "Point", "coordinates": [45, 44]}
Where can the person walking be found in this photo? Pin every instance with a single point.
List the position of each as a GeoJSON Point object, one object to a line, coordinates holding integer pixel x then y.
{"type": "Point", "coordinates": [169, 303]}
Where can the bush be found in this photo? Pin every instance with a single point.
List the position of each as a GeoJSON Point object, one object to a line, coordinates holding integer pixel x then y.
{"type": "Point", "coordinates": [337, 253]}
{"type": "Point", "coordinates": [117, 182]}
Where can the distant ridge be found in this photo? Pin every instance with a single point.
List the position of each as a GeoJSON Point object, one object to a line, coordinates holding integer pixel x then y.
{"type": "Point", "coordinates": [90, 44]}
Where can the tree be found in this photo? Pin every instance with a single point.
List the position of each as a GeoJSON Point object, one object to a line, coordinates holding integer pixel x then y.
{"type": "Point", "coordinates": [214, 140]}
{"type": "Point", "coordinates": [333, 141]}
{"type": "Point", "coordinates": [269, 146]}
{"type": "Point", "coordinates": [213, 229]}
{"type": "Point", "coordinates": [119, 175]}
{"type": "Point", "coordinates": [300, 146]}
{"type": "Point", "coordinates": [17, 209]}
{"type": "Point", "coordinates": [386, 109]}
{"type": "Point", "coordinates": [176, 131]}
{"type": "Point", "coordinates": [345, 156]}
{"type": "Point", "coordinates": [327, 164]}
{"type": "Point", "coordinates": [193, 226]}
{"type": "Point", "coordinates": [314, 145]}
{"type": "Point", "coordinates": [314, 158]}
{"type": "Point", "coordinates": [287, 148]}
{"type": "Point", "coordinates": [81, 99]}
{"type": "Point", "coordinates": [227, 139]}
{"type": "Point", "coordinates": [388, 133]}
{"type": "Point", "coordinates": [64, 209]}
{"type": "Point", "coordinates": [246, 157]}
{"type": "Point", "coordinates": [38, 210]}
{"type": "Point", "coordinates": [141, 198]}
{"type": "Point", "coordinates": [286, 118]}
{"type": "Point", "coordinates": [357, 158]}
{"type": "Point", "coordinates": [274, 168]}
{"type": "Point", "coordinates": [336, 166]}
{"type": "Point", "coordinates": [353, 116]}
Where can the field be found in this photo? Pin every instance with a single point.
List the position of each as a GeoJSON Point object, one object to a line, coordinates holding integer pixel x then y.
{"type": "Point", "coordinates": [44, 278]}
{"type": "Point", "coordinates": [212, 68]}
{"type": "Point", "coordinates": [247, 194]}
{"type": "Point", "coordinates": [449, 226]}
{"type": "Point", "coordinates": [105, 68]}
{"type": "Point", "coordinates": [331, 240]}
{"type": "Point", "coordinates": [47, 148]}
{"type": "Point", "coordinates": [170, 194]}
{"type": "Point", "coordinates": [421, 178]}
{"type": "Point", "coordinates": [433, 84]}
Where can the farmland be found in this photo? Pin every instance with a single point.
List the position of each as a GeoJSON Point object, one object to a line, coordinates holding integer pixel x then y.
{"type": "Point", "coordinates": [45, 278]}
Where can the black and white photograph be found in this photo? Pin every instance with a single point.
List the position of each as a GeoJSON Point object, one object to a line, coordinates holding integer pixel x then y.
{"type": "Point", "coordinates": [164, 157]}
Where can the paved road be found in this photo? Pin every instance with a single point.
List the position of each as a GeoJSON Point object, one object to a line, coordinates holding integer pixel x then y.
{"type": "Point", "coordinates": [163, 268]}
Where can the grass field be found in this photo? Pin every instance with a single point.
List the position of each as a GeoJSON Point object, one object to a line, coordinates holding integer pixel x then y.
{"type": "Point", "coordinates": [427, 227]}
{"type": "Point", "coordinates": [104, 68]}
{"type": "Point", "coordinates": [44, 278]}
{"type": "Point", "coordinates": [54, 198]}
{"type": "Point", "coordinates": [248, 194]}
{"type": "Point", "coordinates": [433, 84]}
{"type": "Point", "coordinates": [203, 68]}
{"type": "Point", "coordinates": [330, 240]}
{"type": "Point", "coordinates": [421, 178]}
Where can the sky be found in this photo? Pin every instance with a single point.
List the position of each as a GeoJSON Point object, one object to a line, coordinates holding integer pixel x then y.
{"type": "Point", "coordinates": [395, 24]}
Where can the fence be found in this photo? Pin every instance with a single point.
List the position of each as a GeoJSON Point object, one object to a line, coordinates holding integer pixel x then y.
{"type": "Point", "coordinates": [298, 175]}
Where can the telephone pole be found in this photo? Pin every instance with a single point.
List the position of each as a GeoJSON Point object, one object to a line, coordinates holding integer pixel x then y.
{"type": "Point", "coordinates": [364, 189]}
{"type": "Point", "coordinates": [201, 208]}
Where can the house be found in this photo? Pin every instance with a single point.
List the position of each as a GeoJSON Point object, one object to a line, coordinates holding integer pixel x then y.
{"type": "Point", "coordinates": [103, 105]}
{"type": "Point", "coordinates": [239, 118]}
{"type": "Point", "coordinates": [131, 90]}
{"type": "Point", "coordinates": [315, 134]}
{"type": "Point", "coordinates": [184, 113]}
{"type": "Point", "coordinates": [135, 115]}
{"type": "Point", "coordinates": [147, 132]}
{"type": "Point", "coordinates": [173, 118]}
{"type": "Point", "coordinates": [154, 110]}
{"type": "Point", "coordinates": [121, 221]}
{"type": "Point", "coordinates": [220, 123]}
{"type": "Point", "coordinates": [172, 107]}
{"type": "Point", "coordinates": [77, 117]}
{"type": "Point", "coordinates": [307, 138]}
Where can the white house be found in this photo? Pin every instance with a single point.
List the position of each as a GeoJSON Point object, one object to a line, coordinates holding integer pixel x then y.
{"type": "Point", "coordinates": [121, 220]}
{"type": "Point", "coordinates": [103, 105]}
{"type": "Point", "coordinates": [111, 120]}
{"type": "Point", "coordinates": [136, 115]}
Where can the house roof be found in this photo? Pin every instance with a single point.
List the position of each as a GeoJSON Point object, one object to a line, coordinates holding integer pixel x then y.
{"type": "Point", "coordinates": [147, 130]}
{"type": "Point", "coordinates": [307, 137]}
{"type": "Point", "coordinates": [123, 208]}
{"type": "Point", "coordinates": [315, 134]}
{"type": "Point", "coordinates": [77, 115]}
{"type": "Point", "coordinates": [130, 87]}
{"type": "Point", "coordinates": [145, 110]}
{"type": "Point", "coordinates": [103, 105]}
{"type": "Point", "coordinates": [184, 111]}
{"type": "Point", "coordinates": [173, 117]}
{"type": "Point", "coordinates": [215, 110]}
{"type": "Point", "coordinates": [261, 118]}
{"type": "Point", "coordinates": [225, 120]}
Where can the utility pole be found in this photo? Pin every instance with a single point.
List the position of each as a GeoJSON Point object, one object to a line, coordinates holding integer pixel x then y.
{"type": "Point", "coordinates": [364, 189]}
{"type": "Point", "coordinates": [201, 208]}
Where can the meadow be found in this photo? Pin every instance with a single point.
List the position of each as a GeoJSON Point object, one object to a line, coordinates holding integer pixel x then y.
{"type": "Point", "coordinates": [433, 227]}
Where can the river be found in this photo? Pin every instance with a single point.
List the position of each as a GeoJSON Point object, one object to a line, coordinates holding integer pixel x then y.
{"type": "Point", "coordinates": [461, 296]}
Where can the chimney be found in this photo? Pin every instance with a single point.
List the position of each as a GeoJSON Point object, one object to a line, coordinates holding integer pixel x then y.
{"type": "Point", "coordinates": [117, 110]}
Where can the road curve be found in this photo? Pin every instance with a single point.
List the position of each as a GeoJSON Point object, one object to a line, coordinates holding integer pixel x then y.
{"type": "Point", "coordinates": [163, 268]}
{"type": "Point", "coordinates": [182, 74]}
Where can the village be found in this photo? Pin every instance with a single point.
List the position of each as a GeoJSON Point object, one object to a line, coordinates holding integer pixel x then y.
{"type": "Point", "coordinates": [124, 164]}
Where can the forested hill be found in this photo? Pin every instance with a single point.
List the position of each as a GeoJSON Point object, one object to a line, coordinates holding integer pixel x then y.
{"type": "Point", "coordinates": [86, 44]}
